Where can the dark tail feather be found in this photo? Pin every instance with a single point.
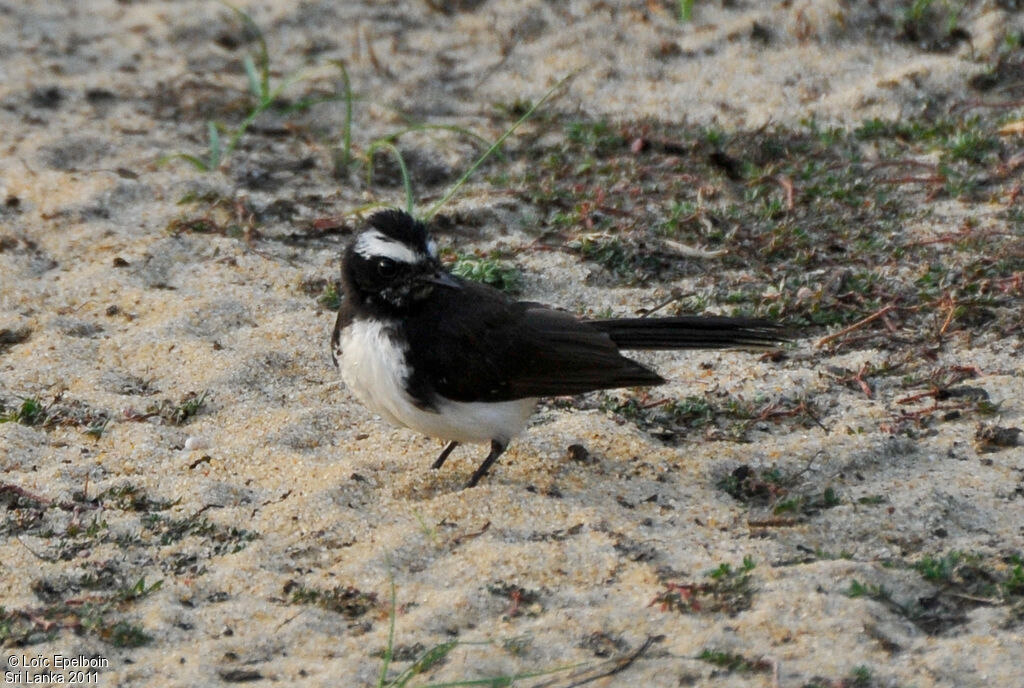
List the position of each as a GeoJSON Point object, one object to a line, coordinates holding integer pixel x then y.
{"type": "Point", "coordinates": [692, 332]}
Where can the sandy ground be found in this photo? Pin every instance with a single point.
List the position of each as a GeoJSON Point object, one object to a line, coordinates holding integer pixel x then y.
{"type": "Point", "coordinates": [281, 483]}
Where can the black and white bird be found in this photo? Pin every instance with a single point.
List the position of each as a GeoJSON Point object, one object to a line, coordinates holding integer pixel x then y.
{"type": "Point", "coordinates": [463, 362]}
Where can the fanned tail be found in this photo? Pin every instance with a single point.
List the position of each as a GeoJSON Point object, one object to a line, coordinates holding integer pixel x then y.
{"type": "Point", "coordinates": [692, 332]}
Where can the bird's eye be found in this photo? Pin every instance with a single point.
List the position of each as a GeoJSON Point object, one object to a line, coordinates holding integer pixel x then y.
{"type": "Point", "coordinates": [386, 267]}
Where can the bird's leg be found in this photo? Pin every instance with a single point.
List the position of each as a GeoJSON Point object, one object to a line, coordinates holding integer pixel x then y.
{"type": "Point", "coordinates": [444, 454]}
{"type": "Point", "coordinates": [497, 449]}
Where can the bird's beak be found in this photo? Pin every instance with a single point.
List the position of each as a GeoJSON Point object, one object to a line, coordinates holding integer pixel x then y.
{"type": "Point", "coordinates": [443, 279]}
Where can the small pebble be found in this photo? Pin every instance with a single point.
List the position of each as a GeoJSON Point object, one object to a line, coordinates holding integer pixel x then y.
{"type": "Point", "coordinates": [193, 443]}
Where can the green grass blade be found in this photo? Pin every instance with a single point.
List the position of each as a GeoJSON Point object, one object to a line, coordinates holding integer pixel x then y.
{"type": "Point", "coordinates": [341, 166]}
{"type": "Point", "coordinates": [424, 662]}
{"type": "Point", "coordinates": [215, 151]}
{"type": "Point", "coordinates": [196, 162]}
{"type": "Point", "coordinates": [685, 10]}
{"type": "Point", "coordinates": [293, 78]}
{"type": "Point", "coordinates": [239, 131]}
{"type": "Point", "coordinates": [494, 147]}
{"type": "Point", "coordinates": [265, 105]}
{"type": "Point", "coordinates": [254, 79]}
{"type": "Point", "coordinates": [262, 55]}
{"type": "Point", "coordinates": [406, 182]}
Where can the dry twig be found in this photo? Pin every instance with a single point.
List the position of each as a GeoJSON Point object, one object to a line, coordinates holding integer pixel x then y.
{"type": "Point", "coordinates": [857, 325]}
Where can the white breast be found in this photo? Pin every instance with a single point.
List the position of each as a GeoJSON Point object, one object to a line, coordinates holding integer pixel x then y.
{"type": "Point", "coordinates": [374, 367]}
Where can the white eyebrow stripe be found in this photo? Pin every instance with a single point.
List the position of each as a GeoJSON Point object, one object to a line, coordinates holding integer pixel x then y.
{"type": "Point", "coordinates": [373, 244]}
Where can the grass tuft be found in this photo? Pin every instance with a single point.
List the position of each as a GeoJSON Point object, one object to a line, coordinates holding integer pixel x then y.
{"type": "Point", "coordinates": [345, 600]}
{"type": "Point", "coordinates": [734, 662]}
{"type": "Point", "coordinates": [30, 412]}
{"type": "Point", "coordinates": [729, 590]}
{"type": "Point", "coordinates": [492, 271]}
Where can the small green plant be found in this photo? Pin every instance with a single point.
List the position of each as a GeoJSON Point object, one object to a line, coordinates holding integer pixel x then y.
{"type": "Point", "coordinates": [175, 413]}
{"type": "Point", "coordinates": [729, 590]}
{"type": "Point", "coordinates": [130, 497]}
{"type": "Point", "coordinates": [138, 591]}
{"type": "Point", "coordinates": [939, 569]}
{"type": "Point", "coordinates": [725, 571]}
{"type": "Point", "coordinates": [345, 600]}
{"type": "Point", "coordinates": [746, 484]}
{"type": "Point", "coordinates": [716, 138]}
{"type": "Point", "coordinates": [917, 10]}
{"type": "Point", "coordinates": [599, 137]}
{"type": "Point", "coordinates": [808, 504]}
{"type": "Point", "coordinates": [225, 539]}
{"type": "Point", "coordinates": [869, 590]}
{"type": "Point", "coordinates": [96, 430]}
{"type": "Point", "coordinates": [971, 144]}
{"type": "Point", "coordinates": [860, 677]}
{"type": "Point", "coordinates": [124, 634]}
{"type": "Point", "coordinates": [330, 297]}
{"type": "Point", "coordinates": [59, 412]}
{"type": "Point", "coordinates": [30, 412]}
{"type": "Point", "coordinates": [957, 582]}
{"type": "Point", "coordinates": [188, 407]}
{"type": "Point", "coordinates": [734, 662]}
{"type": "Point", "coordinates": [492, 271]}
{"type": "Point", "coordinates": [94, 616]}
{"type": "Point", "coordinates": [626, 259]}
{"type": "Point", "coordinates": [678, 212]}
{"type": "Point", "coordinates": [1013, 585]}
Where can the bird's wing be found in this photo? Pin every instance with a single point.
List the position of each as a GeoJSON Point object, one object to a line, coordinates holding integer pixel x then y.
{"type": "Point", "coordinates": [498, 349]}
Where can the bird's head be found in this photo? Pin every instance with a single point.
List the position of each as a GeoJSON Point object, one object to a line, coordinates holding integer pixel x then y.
{"type": "Point", "coordinates": [393, 264]}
